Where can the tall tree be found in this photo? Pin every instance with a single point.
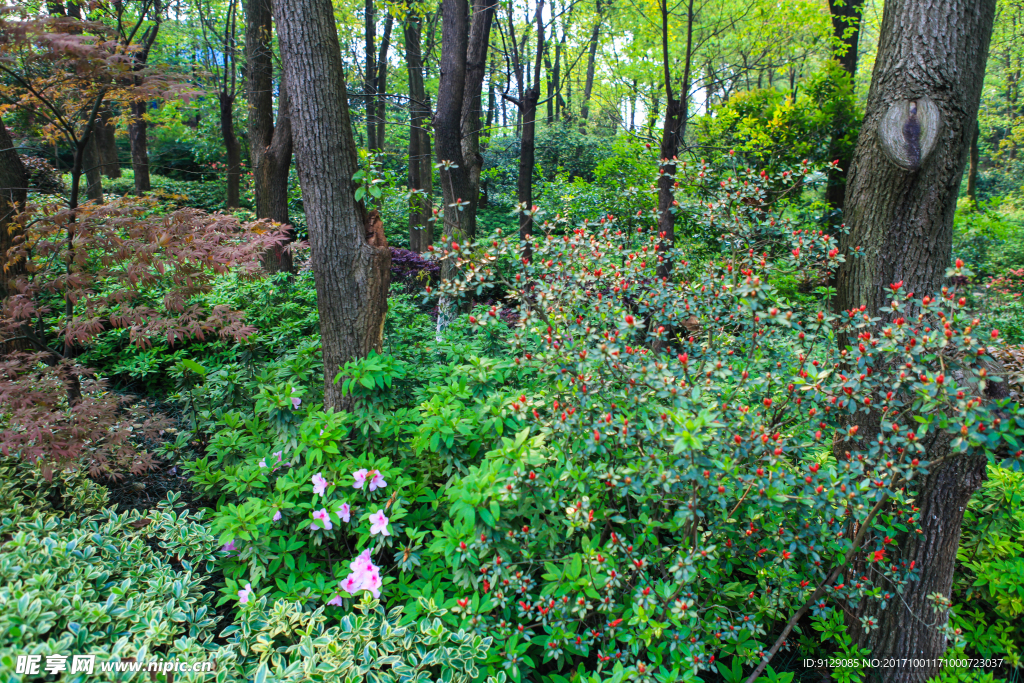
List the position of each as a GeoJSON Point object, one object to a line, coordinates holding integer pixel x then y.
{"type": "Point", "coordinates": [472, 102]}
{"type": "Point", "coordinates": [421, 228]}
{"type": "Point", "coordinates": [221, 57]}
{"type": "Point", "coordinates": [901, 197]}
{"type": "Point", "coordinates": [588, 86]}
{"type": "Point", "coordinates": [846, 16]}
{"type": "Point", "coordinates": [13, 188]}
{"type": "Point", "coordinates": [350, 256]}
{"type": "Point", "coordinates": [138, 126]}
{"type": "Point", "coordinates": [380, 83]}
{"type": "Point", "coordinates": [370, 73]}
{"type": "Point", "coordinates": [270, 143]}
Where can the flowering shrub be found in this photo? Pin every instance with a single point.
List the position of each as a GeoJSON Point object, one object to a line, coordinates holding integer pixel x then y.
{"type": "Point", "coordinates": [692, 469]}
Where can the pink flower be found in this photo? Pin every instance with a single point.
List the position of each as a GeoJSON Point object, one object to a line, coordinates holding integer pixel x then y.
{"type": "Point", "coordinates": [278, 454]}
{"type": "Point", "coordinates": [360, 476]}
{"type": "Point", "coordinates": [379, 524]}
{"type": "Point", "coordinates": [378, 481]}
{"type": "Point", "coordinates": [323, 517]}
{"type": "Point", "coordinates": [365, 576]}
{"type": "Point", "coordinates": [319, 484]}
{"type": "Point", "coordinates": [296, 402]}
{"type": "Point", "coordinates": [277, 516]}
{"type": "Point", "coordinates": [243, 595]}
{"type": "Point", "coordinates": [372, 582]}
{"type": "Point", "coordinates": [352, 584]}
{"type": "Point", "coordinates": [263, 462]}
{"type": "Point", "coordinates": [344, 512]}
{"type": "Point", "coordinates": [362, 564]}
{"type": "Point", "coordinates": [336, 600]}
{"type": "Point", "coordinates": [229, 546]}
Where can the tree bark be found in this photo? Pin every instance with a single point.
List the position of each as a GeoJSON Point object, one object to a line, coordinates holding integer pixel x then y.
{"type": "Point", "coordinates": [270, 145]}
{"type": "Point", "coordinates": [421, 229]}
{"type": "Point", "coordinates": [901, 217]}
{"type": "Point", "coordinates": [846, 32]}
{"type": "Point", "coordinates": [231, 144]}
{"type": "Point", "coordinates": [13, 190]}
{"type": "Point", "coordinates": [350, 256]}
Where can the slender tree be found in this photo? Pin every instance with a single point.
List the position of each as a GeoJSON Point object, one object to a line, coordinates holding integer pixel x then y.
{"type": "Point", "coordinates": [421, 228]}
{"type": "Point", "coordinates": [270, 143]}
{"type": "Point", "coordinates": [900, 202]}
{"type": "Point", "coordinates": [138, 126]}
{"type": "Point", "coordinates": [846, 16]}
{"type": "Point", "coordinates": [13, 188]}
{"type": "Point", "coordinates": [350, 256]}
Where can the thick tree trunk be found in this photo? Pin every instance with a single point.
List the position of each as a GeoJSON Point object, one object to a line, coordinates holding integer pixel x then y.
{"type": "Point", "coordinates": [846, 32]}
{"type": "Point", "coordinates": [270, 145]}
{"type": "Point", "coordinates": [106, 141]}
{"type": "Point", "coordinates": [140, 147]}
{"type": "Point", "coordinates": [476, 65]}
{"type": "Point", "coordinates": [350, 256]}
{"type": "Point", "coordinates": [421, 229]}
{"type": "Point", "coordinates": [13, 184]}
{"type": "Point", "coordinates": [930, 64]}
{"type": "Point", "coordinates": [234, 149]}
{"type": "Point", "coordinates": [455, 182]}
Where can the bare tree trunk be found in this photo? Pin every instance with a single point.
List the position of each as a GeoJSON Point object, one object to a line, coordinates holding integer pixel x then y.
{"type": "Point", "coordinates": [13, 184]}
{"type": "Point", "coordinates": [92, 165]}
{"type": "Point", "coordinates": [476, 66]}
{"type": "Point", "coordinates": [370, 75]}
{"type": "Point", "coordinates": [350, 256]}
{"type": "Point", "coordinates": [270, 145]}
{"type": "Point", "coordinates": [673, 131]}
{"type": "Point", "coordinates": [421, 229]}
{"type": "Point", "coordinates": [588, 87]}
{"type": "Point", "coordinates": [234, 149]}
{"type": "Point", "coordinates": [140, 147]}
{"type": "Point", "coordinates": [381, 82]}
{"type": "Point", "coordinates": [846, 32]}
{"type": "Point", "coordinates": [900, 201]}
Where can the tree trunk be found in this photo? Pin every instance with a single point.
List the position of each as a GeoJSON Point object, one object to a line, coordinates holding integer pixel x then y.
{"type": "Point", "coordinates": [370, 75]}
{"type": "Point", "coordinates": [350, 256]}
{"type": "Point", "coordinates": [846, 32]}
{"type": "Point", "coordinates": [13, 184]}
{"type": "Point", "coordinates": [455, 183]}
{"type": "Point", "coordinates": [421, 229]}
{"type": "Point", "coordinates": [588, 86]}
{"type": "Point", "coordinates": [140, 147]}
{"type": "Point", "coordinates": [930, 64]}
{"type": "Point", "coordinates": [527, 161]}
{"type": "Point", "coordinates": [972, 172]}
{"type": "Point", "coordinates": [673, 131]}
{"type": "Point", "coordinates": [106, 141]}
{"type": "Point", "coordinates": [92, 165]}
{"type": "Point", "coordinates": [270, 145]}
{"type": "Point", "coordinates": [234, 149]}
{"type": "Point", "coordinates": [472, 99]}
{"type": "Point", "coordinates": [381, 83]}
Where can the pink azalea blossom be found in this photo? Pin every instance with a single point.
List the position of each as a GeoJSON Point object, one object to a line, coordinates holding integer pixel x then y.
{"type": "Point", "coordinates": [277, 516]}
{"type": "Point", "coordinates": [365, 576]}
{"type": "Point", "coordinates": [360, 476]}
{"type": "Point", "coordinates": [352, 584]}
{"type": "Point", "coordinates": [372, 582]}
{"type": "Point", "coordinates": [378, 481]}
{"type": "Point", "coordinates": [344, 512]}
{"type": "Point", "coordinates": [336, 600]}
{"type": "Point", "coordinates": [229, 546]}
{"type": "Point", "coordinates": [379, 524]}
{"type": "Point", "coordinates": [243, 594]}
{"type": "Point", "coordinates": [296, 402]}
{"type": "Point", "coordinates": [263, 462]}
{"type": "Point", "coordinates": [319, 484]}
{"type": "Point", "coordinates": [323, 517]}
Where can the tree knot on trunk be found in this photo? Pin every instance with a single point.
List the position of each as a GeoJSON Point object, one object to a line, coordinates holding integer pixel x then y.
{"type": "Point", "coordinates": [375, 230]}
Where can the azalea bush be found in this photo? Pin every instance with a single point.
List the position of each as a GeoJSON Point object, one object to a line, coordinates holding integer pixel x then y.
{"type": "Point", "coordinates": [692, 471]}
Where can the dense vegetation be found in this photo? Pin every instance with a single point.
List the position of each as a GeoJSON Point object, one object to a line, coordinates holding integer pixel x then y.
{"type": "Point", "coordinates": [583, 341]}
